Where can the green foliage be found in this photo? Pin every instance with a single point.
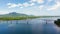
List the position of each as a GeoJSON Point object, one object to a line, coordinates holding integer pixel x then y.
{"type": "Point", "coordinates": [57, 22]}
{"type": "Point", "coordinates": [18, 17]}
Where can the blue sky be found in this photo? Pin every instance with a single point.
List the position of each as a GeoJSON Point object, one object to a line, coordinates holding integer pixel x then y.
{"type": "Point", "coordinates": [31, 7]}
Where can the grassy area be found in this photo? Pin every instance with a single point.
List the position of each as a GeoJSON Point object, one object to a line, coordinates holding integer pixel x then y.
{"type": "Point", "coordinates": [18, 18]}
{"type": "Point", "coordinates": [22, 17]}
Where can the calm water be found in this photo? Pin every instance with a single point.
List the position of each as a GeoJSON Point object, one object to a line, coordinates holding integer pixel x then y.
{"type": "Point", "coordinates": [32, 26]}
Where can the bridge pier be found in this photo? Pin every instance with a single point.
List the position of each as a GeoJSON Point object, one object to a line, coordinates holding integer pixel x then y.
{"type": "Point", "coordinates": [11, 22]}
{"type": "Point", "coordinates": [27, 21]}
{"type": "Point", "coordinates": [16, 21]}
{"type": "Point", "coordinates": [46, 21]}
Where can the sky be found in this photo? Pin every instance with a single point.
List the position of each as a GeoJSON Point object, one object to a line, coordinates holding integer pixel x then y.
{"type": "Point", "coordinates": [31, 7]}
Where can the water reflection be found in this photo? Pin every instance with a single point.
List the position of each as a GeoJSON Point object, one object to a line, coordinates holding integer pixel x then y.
{"type": "Point", "coordinates": [34, 26]}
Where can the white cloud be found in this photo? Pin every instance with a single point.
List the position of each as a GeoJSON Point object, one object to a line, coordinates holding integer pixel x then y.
{"type": "Point", "coordinates": [32, 4]}
{"type": "Point", "coordinates": [33, 0]}
{"type": "Point", "coordinates": [4, 12]}
{"type": "Point", "coordinates": [19, 5]}
{"type": "Point", "coordinates": [41, 7]}
{"type": "Point", "coordinates": [11, 5]}
{"type": "Point", "coordinates": [38, 1]}
{"type": "Point", "coordinates": [50, 0]}
{"type": "Point", "coordinates": [55, 7]}
{"type": "Point", "coordinates": [26, 4]}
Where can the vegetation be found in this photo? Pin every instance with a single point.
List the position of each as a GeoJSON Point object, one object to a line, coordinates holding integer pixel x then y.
{"type": "Point", "coordinates": [18, 18]}
{"type": "Point", "coordinates": [21, 17]}
{"type": "Point", "coordinates": [57, 22]}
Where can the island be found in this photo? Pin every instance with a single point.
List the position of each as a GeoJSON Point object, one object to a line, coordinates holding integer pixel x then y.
{"type": "Point", "coordinates": [57, 22]}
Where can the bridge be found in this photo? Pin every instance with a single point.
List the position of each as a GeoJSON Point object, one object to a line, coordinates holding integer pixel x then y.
{"type": "Point", "coordinates": [27, 21]}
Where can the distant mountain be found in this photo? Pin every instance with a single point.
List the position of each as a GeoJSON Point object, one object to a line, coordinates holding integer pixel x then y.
{"type": "Point", "coordinates": [14, 14]}
{"type": "Point", "coordinates": [17, 14]}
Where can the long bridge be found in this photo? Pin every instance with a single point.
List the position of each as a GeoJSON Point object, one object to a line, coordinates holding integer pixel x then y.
{"type": "Point", "coordinates": [27, 21]}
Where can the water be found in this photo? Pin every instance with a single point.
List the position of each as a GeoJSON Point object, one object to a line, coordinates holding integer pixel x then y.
{"type": "Point", "coordinates": [32, 26]}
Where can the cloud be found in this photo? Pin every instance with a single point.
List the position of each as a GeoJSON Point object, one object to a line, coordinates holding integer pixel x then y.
{"type": "Point", "coordinates": [50, 0]}
{"type": "Point", "coordinates": [38, 1]}
{"type": "Point", "coordinates": [9, 4]}
{"type": "Point", "coordinates": [41, 7]}
{"type": "Point", "coordinates": [4, 12]}
{"type": "Point", "coordinates": [26, 4]}
{"type": "Point", "coordinates": [32, 4]}
{"type": "Point", "coordinates": [13, 5]}
{"type": "Point", "coordinates": [19, 5]}
{"type": "Point", "coordinates": [55, 7]}
{"type": "Point", "coordinates": [33, 0]}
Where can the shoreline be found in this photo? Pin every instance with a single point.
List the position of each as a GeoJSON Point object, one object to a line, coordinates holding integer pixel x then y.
{"type": "Point", "coordinates": [17, 18]}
